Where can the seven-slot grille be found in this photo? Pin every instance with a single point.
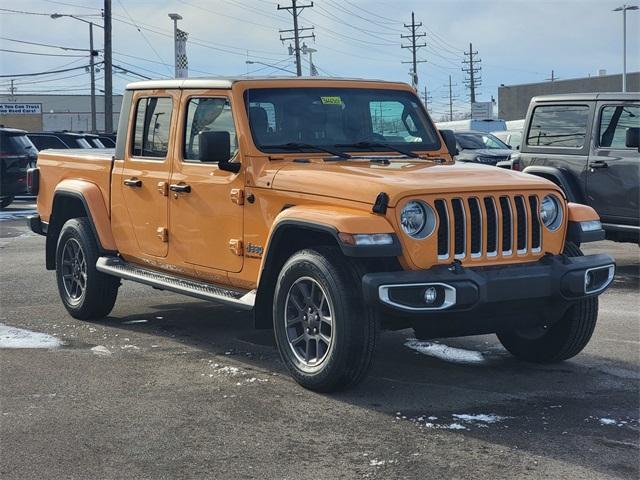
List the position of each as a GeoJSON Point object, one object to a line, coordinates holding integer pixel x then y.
{"type": "Point", "coordinates": [512, 226]}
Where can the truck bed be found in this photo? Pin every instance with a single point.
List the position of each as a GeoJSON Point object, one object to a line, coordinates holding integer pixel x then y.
{"type": "Point", "coordinates": [56, 166]}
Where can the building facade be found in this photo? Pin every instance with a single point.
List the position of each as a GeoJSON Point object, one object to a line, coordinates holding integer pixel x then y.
{"type": "Point", "coordinates": [45, 113]}
{"type": "Point", "coordinates": [513, 100]}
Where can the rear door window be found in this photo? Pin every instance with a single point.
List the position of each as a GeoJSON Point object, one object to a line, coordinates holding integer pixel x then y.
{"type": "Point", "coordinates": [558, 126]}
{"type": "Point", "coordinates": [615, 120]}
{"type": "Point", "coordinates": [152, 127]}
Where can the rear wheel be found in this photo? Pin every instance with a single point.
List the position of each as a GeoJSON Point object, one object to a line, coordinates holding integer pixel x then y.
{"type": "Point", "coordinates": [5, 202]}
{"type": "Point", "coordinates": [85, 292]}
{"type": "Point", "coordinates": [562, 340]}
{"type": "Point", "coordinates": [325, 333]}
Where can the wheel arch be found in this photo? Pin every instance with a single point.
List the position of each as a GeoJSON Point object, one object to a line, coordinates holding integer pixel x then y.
{"type": "Point", "coordinates": [73, 200]}
{"type": "Point", "coordinates": [300, 227]}
{"type": "Point", "coordinates": [561, 178]}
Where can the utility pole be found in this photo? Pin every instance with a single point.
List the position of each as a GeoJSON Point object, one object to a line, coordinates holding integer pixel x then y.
{"type": "Point", "coordinates": [413, 37]}
{"type": "Point", "coordinates": [624, 9]}
{"type": "Point", "coordinates": [92, 54]}
{"type": "Point", "coordinates": [473, 78]}
{"type": "Point", "coordinates": [295, 10]}
{"type": "Point", "coordinates": [12, 90]}
{"type": "Point", "coordinates": [553, 77]}
{"type": "Point", "coordinates": [426, 97]}
{"type": "Point", "coordinates": [451, 99]}
{"type": "Point", "coordinates": [108, 69]}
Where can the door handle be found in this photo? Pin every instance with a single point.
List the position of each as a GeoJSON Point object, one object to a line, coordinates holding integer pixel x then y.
{"type": "Point", "coordinates": [598, 164]}
{"type": "Point", "coordinates": [133, 182]}
{"type": "Point", "coordinates": [180, 188]}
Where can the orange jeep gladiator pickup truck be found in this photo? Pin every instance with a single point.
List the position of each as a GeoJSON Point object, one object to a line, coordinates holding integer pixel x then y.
{"type": "Point", "coordinates": [332, 209]}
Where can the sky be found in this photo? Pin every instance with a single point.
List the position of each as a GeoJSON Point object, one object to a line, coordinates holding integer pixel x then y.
{"type": "Point", "coordinates": [518, 41]}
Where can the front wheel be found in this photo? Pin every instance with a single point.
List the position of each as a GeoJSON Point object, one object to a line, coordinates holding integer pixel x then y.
{"type": "Point", "coordinates": [85, 292]}
{"type": "Point", "coordinates": [562, 340]}
{"type": "Point", "coordinates": [325, 333]}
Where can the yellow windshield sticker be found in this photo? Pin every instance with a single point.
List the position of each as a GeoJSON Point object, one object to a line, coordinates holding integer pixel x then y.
{"type": "Point", "coordinates": [331, 100]}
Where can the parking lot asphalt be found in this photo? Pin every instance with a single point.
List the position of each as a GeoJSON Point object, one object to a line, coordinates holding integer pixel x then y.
{"type": "Point", "coordinates": [170, 387]}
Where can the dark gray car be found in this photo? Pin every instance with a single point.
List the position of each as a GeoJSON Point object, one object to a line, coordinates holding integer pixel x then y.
{"type": "Point", "coordinates": [480, 147]}
{"type": "Point", "coordinates": [588, 144]}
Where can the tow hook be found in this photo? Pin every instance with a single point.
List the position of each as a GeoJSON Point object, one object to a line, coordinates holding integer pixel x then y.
{"type": "Point", "coordinates": [456, 267]}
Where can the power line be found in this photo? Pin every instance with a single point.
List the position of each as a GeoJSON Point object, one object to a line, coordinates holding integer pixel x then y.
{"type": "Point", "coordinates": [44, 45]}
{"type": "Point", "coordinates": [413, 36]}
{"type": "Point", "coordinates": [45, 73]}
{"type": "Point", "coordinates": [41, 54]}
{"type": "Point", "coordinates": [294, 9]}
{"type": "Point", "coordinates": [473, 80]}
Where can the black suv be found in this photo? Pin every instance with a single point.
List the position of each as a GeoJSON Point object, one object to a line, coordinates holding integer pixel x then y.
{"type": "Point", "coordinates": [17, 154]}
{"type": "Point", "coordinates": [44, 140]}
{"type": "Point", "coordinates": [587, 144]}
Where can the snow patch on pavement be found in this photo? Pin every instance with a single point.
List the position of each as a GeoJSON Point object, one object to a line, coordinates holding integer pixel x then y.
{"type": "Point", "coordinates": [13, 337]}
{"type": "Point", "coordinates": [101, 350]}
{"type": "Point", "coordinates": [445, 352]}
{"type": "Point", "coordinates": [491, 418]}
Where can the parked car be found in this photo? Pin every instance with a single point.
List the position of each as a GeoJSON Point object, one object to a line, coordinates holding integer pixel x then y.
{"type": "Point", "coordinates": [588, 145]}
{"type": "Point", "coordinates": [475, 124]}
{"type": "Point", "coordinates": [512, 138]}
{"type": "Point", "coordinates": [107, 141]}
{"type": "Point", "coordinates": [64, 140]}
{"type": "Point", "coordinates": [93, 140]}
{"type": "Point", "coordinates": [17, 154]}
{"type": "Point", "coordinates": [480, 147]}
{"type": "Point", "coordinates": [296, 200]}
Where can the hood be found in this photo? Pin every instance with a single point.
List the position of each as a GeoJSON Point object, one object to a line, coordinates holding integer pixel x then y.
{"type": "Point", "coordinates": [362, 181]}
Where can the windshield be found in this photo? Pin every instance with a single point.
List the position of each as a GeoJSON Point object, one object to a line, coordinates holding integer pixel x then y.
{"type": "Point", "coordinates": [338, 118]}
{"type": "Point", "coordinates": [477, 141]}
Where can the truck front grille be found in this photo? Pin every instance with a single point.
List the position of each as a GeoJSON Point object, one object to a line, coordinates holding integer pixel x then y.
{"type": "Point", "coordinates": [488, 226]}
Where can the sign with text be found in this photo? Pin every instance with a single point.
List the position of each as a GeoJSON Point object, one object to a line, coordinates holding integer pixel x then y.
{"type": "Point", "coordinates": [482, 110]}
{"type": "Point", "coordinates": [20, 108]}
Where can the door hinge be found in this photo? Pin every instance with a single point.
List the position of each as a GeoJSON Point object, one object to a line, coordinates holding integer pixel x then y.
{"type": "Point", "coordinates": [235, 246]}
{"type": "Point", "coordinates": [237, 196]}
{"type": "Point", "coordinates": [163, 234]}
{"type": "Point", "coordinates": [163, 188]}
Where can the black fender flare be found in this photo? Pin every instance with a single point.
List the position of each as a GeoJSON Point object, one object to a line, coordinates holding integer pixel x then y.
{"type": "Point", "coordinates": [560, 177]}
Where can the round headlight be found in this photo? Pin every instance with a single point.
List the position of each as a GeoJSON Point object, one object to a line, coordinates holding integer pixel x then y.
{"type": "Point", "coordinates": [551, 212]}
{"type": "Point", "coordinates": [417, 219]}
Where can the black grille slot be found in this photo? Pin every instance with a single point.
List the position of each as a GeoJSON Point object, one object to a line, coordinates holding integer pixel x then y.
{"type": "Point", "coordinates": [535, 223]}
{"type": "Point", "coordinates": [492, 225]}
{"type": "Point", "coordinates": [458, 226]}
{"type": "Point", "coordinates": [476, 226]}
{"type": "Point", "coordinates": [521, 219]}
{"type": "Point", "coordinates": [443, 228]}
{"type": "Point", "coordinates": [505, 211]}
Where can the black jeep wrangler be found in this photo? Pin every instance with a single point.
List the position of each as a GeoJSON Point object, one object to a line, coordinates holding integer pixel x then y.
{"type": "Point", "coordinates": [587, 144]}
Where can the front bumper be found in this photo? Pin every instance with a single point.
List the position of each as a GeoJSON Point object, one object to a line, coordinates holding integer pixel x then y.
{"type": "Point", "coordinates": [490, 298]}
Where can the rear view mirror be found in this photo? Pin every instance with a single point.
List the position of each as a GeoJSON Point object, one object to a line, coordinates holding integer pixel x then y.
{"type": "Point", "coordinates": [216, 147]}
{"type": "Point", "coordinates": [450, 141]}
{"type": "Point", "coordinates": [632, 138]}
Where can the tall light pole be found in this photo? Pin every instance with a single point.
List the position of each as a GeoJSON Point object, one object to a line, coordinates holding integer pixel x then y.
{"type": "Point", "coordinates": [624, 9]}
{"type": "Point", "coordinates": [175, 17]}
{"type": "Point", "coordinates": [92, 54]}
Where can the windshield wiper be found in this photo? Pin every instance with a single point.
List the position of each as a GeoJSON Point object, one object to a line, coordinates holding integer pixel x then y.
{"type": "Point", "coordinates": [299, 146]}
{"type": "Point", "coordinates": [367, 144]}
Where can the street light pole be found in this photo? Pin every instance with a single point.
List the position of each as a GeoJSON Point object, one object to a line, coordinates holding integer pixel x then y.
{"type": "Point", "coordinates": [175, 17]}
{"type": "Point", "coordinates": [624, 9]}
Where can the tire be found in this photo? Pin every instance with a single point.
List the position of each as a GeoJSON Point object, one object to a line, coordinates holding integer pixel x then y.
{"type": "Point", "coordinates": [85, 292]}
{"type": "Point", "coordinates": [564, 339]}
{"type": "Point", "coordinates": [342, 347]}
{"type": "Point", "coordinates": [5, 202]}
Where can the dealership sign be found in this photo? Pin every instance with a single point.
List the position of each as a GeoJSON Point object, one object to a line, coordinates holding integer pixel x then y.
{"type": "Point", "coordinates": [20, 108]}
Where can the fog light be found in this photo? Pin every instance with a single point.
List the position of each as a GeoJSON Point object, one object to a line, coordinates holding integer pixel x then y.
{"type": "Point", "coordinates": [430, 295]}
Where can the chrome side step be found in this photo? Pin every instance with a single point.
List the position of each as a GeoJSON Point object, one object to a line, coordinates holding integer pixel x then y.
{"type": "Point", "coordinates": [206, 291]}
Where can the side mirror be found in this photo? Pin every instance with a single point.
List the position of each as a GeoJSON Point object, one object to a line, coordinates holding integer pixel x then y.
{"type": "Point", "coordinates": [510, 147]}
{"type": "Point", "coordinates": [632, 138]}
{"type": "Point", "coordinates": [450, 141]}
{"type": "Point", "coordinates": [216, 147]}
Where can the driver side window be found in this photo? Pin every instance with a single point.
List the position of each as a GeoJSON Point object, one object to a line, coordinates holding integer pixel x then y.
{"type": "Point", "coordinates": [207, 114]}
